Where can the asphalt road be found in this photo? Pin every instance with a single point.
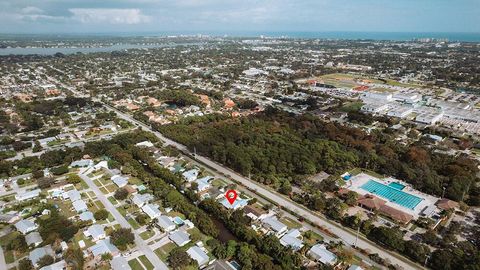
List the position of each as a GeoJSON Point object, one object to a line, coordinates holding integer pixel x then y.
{"type": "Point", "coordinates": [346, 235]}
{"type": "Point", "coordinates": [140, 243]}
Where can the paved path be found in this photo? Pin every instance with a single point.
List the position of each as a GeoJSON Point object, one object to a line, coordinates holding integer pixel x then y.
{"type": "Point", "coordinates": [141, 244]}
{"type": "Point", "coordinates": [3, 264]}
{"type": "Point", "coordinates": [347, 235]}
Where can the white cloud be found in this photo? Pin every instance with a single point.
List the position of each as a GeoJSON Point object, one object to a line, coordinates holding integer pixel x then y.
{"type": "Point", "coordinates": [109, 15]}
{"type": "Point", "coordinates": [32, 10]}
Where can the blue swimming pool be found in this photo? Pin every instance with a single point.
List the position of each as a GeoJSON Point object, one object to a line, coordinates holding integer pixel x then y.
{"type": "Point", "coordinates": [392, 194]}
{"type": "Point", "coordinates": [397, 185]}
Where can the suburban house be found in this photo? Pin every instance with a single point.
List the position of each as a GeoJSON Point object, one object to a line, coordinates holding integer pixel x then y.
{"type": "Point", "coordinates": [96, 232]}
{"type": "Point", "coordinates": [151, 210]}
{"type": "Point", "coordinates": [166, 223]}
{"type": "Point", "coordinates": [61, 265]}
{"type": "Point", "coordinates": [320, 253]}
{"type": "Point", "coordinates": [9, 218]}
{"type": "Point", "coordinates": [33, 239]}
{"type": "Point", "coordinates": [73, 195]}
{"type": "Point", "coordinates": [198, 255]}
{"type": "Point", "coordinates": [191, 175]}
{"type": "Point", "coordinates": [292, 239]}
{"type": "Point", "coordinates": [25, 226]}
{"type": "Point", "coordinates": [142, 199]}
{"type": "Point", "coordinates": [104, 246]}
{"type": "Point", "coordinates": [277, 227]}
{"type": "Point", "coordinates": [83, 163]}
{"type": "Point", "coordinates": [238, 204]}
{"type": "Point", "coordinates": [32, 194]}
{"type": "Point", "coordinates": [120, 181]}
{"type": "Point", "coordinates": [38, 253]}
{"type": "Point", "coordinates": [256, 213]}
{"type": "Point", "coordinates": [80, 206]}
{"type": "Point", "coordinates": [203, 183]}
{"type": "Point", "coordinates": [180, 238]}
{"type": "Point", "coordinates": [146, 144]}
{"type": "Point", "coordinates": [119, 263]}
{"type": "Point", "coordinates": [86, 216]}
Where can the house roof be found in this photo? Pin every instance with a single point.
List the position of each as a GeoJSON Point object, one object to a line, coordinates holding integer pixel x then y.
{"type": "Point", "coordinates": [73, 195]}
{"type": "Point", "coordinates": [25, 225]}
{"type": "Point", "coordinates": [198, 255]}
{"type": "Point", "coordinates": [38, 253]}
{"type": "Point", "coordinates": [274, 224]}
{"type": "Point", "coordinates": [140, 199]}
{"type": "Point", "coordinates": [86, 216]}
{"type": "Point", "coordinates": [290, 240]}
{"type": "Point", "coordinates": [191, 175]}
{"type": "Point", "coordinates": [250, 209]}
{"type": "Point", "coordinates": [371, 202]}
{"type": "Point", "coordinates": [56, 266]}
{"type": "Point", "coordinates": [151, 210]}
{"type": "Point", "coordinates": [239, 203]}
{"type": "Point", "coordinates": [322, 254]}
{"type": "Point", "coordinates": [396, 214]}
{"type": "Point", "coordinates": [119, 180]}
{"type": "Point", "coordinates": [103, 246]}
{"type": "Point", "coordinates": [165, 222]}
{"type": "Point", "coordinates": [33, 238]}
{"type": "Point", "coordinates": [119, 263]}
{"type": "Point", "coordinates": [180, 237]}
{"type": "Point", "coordinates": [447, 204]}
{"type": "Point", "coordinates": [28, 195]}
{"type": "Point", "coordinates": [355, 267]}
{"type": "Point", "coordinates": [96, 231]}
{"type": "Point", "coordinates": [79, 205]}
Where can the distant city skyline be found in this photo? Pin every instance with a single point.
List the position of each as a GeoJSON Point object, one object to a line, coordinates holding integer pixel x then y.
{"type": "Point", "coordinates": [115, 16]}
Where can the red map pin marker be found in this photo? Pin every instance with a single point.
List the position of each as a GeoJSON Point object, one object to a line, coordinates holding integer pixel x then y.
{"type": "Point", "coordinates": [231, 196]}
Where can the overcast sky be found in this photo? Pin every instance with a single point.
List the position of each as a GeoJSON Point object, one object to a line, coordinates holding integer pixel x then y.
{"type": "Point", "coordinates": [100, 16]}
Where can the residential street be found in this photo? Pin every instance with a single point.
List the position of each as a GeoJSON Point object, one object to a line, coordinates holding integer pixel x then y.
{"type": "Point", "coordinates": [141, 244]}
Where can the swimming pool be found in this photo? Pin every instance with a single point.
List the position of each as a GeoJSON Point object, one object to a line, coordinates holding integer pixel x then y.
{"type": "Point", "coordinates": [392, 194]}
{"type": "Point", "coordinates": [397, 185]}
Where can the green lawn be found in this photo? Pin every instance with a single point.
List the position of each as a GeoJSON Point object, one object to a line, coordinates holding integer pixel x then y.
{"type": "Point", "coordinates": [111, 188]}
{"type": "Point", "coordinates": [135, 265]}
{"type": "Point", "coordinates": [146, 262]}
{"type": "Point", "coordinates": [104, 190]}
{"type": "Point", "coordinates": [314, 238]}
{"type": "Point", "coordinates": [112, 200]}
{"type": "Point", "coordinates": [290, 223]}
{"type": "Point", "coordinates": [163, 251]}
{"type": "Point", "coordinates": [96, 182]}
{"type": "Point", "coordinates": [9, 257]}
{"type": "Point", "coordinates": [147, 234]}
{"type": "Point", "coordinates": [134, 223]}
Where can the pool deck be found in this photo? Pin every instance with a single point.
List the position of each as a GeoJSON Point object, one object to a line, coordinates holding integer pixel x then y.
{"type": "Point", "coordinates": [356, 182]}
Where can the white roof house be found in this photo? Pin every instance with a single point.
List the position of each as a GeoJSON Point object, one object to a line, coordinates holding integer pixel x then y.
{"type": "Point", "coordinates": [33, 238]}
{"type": "Point", "coordinates": [238, 204]}
{"type": "Point", "coordinates": [275, 225]}
{"type": "Point", "coordinates": [180, 238]}
{"type": "Point", "coordinates": [101, 165]}
{"type": "Point", "coordinates": [120, 181]}
{"type": "Point", "coordinates": [103, 246]}
{"type": "Point", "coordinates": [80, 206]}
{"type": "Point", "coordinates": [291, 239]}
{"type": "Point", "coordinates": [142, 199]}
{"type": "Point", "coordinates": [86, 216]}
{"type": "Point", "coordinates": [119, 263]}
{"type": "Point", "coordinates": [28, 195]}
{"type": "Point", "coordinates": [320, 253]}
{"type": "Point", "coordinates": [355, 267]}
{"type": "Point", "coordinates": [96, 231]}
{"type": "Point", "coordinates": [203, 183]}
{"type": "Point", "coordinates": [144, 144]}
{"type": "Point", "coordinates": [73, 195]}
{"type": "Point", "coordinates": [166, 223]}
{"type": "Point", "coordinates": [82, 163]}
{"type": "Point", "coordinates": [198, 255]}
{"type": "Point", "coordinates": [38, 253]}
{"type": "Point", "coordinates": [151, 210]}
{"type": "Point", "coordinates": [61, 265]}
{"type": "Point", "coordinates": [25, 226]}
{"type": "Point", "coordinates": [191, 175]}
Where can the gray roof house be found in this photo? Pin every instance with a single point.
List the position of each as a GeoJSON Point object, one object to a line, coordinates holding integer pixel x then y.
{"type": "Point", "coordinates": [120, 181]}
{"type": "Point", "coordinates": [61, 265]}
{"type": "Point", "coordinates": [38, 253]}
{"type": "Point", "coordinates": [320, 253]}
{"type": "Point", "coordinates": [73, 195]}
{"type": "Point", "coordinates": [28, 195]}
{"type": "Point", "coordinates": [198, 255]}
{"type": "Point", "coordinates": [151, 210]}
{"type": "Point", "coordinates": [142, 199]}
{"type": "Point", "coordinates": [82, 163]}
{"type": "Point", "coordinates": [275, 225]}
{"type": "Point", "coordinates": [33, 238]}
{"type": "Point", "coordinates": [180, 238]}
{"type": "Point", "coordinates": [25, 226]}
{"type": "Point", "coordinates": [291, 239]}
{"type": "Point", "coordinates": [166, 223]}
{"type": "Point", "coordinates": [96, 231]}
{"type": "Point", "coordinates": [86, 216]}
{"type": "Point", "coordinates": [80, 206]}
{"type": "Point", "coordinates": [103, 246]}
{"type": "Point", "coordinates": [119, 263]}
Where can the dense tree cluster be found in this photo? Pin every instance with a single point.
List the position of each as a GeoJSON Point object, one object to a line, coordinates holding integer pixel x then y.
{"type": "Point", "coordinates": [275, 147]}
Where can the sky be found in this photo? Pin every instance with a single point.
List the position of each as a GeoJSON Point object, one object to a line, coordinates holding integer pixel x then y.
{"type": "Point", "coordinates": [230, 16]}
